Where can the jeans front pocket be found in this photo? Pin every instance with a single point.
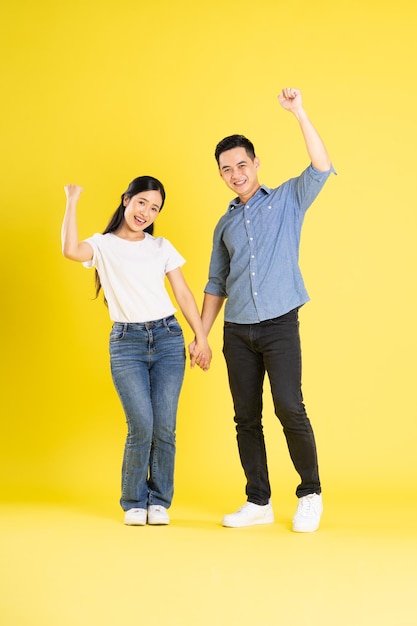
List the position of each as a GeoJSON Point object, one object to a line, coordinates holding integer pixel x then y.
{"type": "Point", "coordinates": [173, 327]}
{"type": "Point", "coordinates": [117, 332]}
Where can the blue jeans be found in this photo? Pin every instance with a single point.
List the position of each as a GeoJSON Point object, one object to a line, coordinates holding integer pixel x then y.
{"type": "Point", "coordinates": [147, 365]}
{"type": "Point", "coordinates": [251, 350]}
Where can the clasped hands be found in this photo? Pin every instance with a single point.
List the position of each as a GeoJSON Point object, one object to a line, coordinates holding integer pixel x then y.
{"type": "Point", "coordinates": [200, 354]}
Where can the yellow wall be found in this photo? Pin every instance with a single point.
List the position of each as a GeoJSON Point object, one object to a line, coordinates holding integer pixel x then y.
{"type": "Point", "coordinates": [100, 92]}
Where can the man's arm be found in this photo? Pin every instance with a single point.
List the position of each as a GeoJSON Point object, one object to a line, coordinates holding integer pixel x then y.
{"type": "Point", "coordinates": [211, 308]}
{"type": "Point", "coordinates": [291, 100]}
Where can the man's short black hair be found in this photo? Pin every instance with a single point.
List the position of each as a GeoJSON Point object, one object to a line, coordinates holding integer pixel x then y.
{"type": "Point", "coordinates": [235, 141]}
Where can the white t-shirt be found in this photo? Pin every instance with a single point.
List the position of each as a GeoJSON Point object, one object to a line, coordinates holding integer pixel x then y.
{"type": "Point", "coordinates": [132, 275]}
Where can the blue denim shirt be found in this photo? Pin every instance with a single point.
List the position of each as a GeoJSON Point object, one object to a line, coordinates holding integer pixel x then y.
{"type": "Point", "coordinates": [254, 261]}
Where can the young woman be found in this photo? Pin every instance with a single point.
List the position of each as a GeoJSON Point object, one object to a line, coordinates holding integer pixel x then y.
{"type": "Point", "coordinates": [147, 352]}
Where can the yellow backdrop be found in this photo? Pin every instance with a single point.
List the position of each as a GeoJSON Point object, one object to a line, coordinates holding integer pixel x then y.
{"type": "Point", "coordinates": [97, 93]}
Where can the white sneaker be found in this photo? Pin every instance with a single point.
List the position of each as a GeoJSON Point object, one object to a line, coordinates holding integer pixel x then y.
{"type": "Point", "coordinates": [250, 514]}
{"type": "Point", "coordinates": [157, 515]}
{"type": "Point", "coordinates": [135, 517]}
{"type": "Point", "coordinates": [308, 514]}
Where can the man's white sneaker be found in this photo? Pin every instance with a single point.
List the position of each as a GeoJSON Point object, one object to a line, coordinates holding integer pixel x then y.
{"type": "Point", "coordinates": [250, 514]}
{"type": "Point", "coordinates": [308, 514]}
{"type": "Point", "coordinates": [135, 517]}
{"type": "Point", "coordinates": [157, 515]}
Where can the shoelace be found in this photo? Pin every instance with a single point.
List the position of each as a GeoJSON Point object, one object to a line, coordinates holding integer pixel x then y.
{"type": "Point", "coordinates": [307, 506]}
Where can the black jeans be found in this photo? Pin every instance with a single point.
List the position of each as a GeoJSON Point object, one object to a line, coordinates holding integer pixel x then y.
{"type": "Point", "coordinates": [250, 350]}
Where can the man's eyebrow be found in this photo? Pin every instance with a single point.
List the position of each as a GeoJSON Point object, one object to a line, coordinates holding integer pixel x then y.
{"type": "Point", "coordinates": [227, 165]}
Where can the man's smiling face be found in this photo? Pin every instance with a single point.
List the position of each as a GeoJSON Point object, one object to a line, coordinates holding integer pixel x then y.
{"type": "Point", "coordinates": [239, 172]}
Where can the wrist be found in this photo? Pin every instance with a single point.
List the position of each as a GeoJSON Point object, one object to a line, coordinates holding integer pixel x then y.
{"type": "Point", "coordinates": [301, 115]}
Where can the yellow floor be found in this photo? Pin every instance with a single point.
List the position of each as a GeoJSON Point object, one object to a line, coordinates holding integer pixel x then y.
{"type": "Point", "coordinates": [74, 565]}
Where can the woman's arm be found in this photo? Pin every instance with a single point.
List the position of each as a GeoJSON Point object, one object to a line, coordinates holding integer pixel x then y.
{"type": "Point", "coordinates": [72, 248]}
{"type": "Point", "coordinates": [183, 295]}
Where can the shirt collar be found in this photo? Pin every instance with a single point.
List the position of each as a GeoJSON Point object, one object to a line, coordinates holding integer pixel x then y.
{"type": "Point", "coordinates": [235, 203]}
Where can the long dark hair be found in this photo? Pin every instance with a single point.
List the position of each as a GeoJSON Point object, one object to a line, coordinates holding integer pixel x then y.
{"type": "Point", "coordinates": [139, 184]}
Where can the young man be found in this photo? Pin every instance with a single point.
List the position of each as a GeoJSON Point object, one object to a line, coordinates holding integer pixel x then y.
{"type": "Point", "coordinates": [254, 268]}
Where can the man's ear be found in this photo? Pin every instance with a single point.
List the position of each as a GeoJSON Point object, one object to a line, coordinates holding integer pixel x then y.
{"type": "Point", "coordinates": [257, 162]}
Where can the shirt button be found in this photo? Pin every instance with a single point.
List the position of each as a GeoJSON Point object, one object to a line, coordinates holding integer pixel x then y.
{"type": "Point", "coordinates": [253, 256]}
{"type": "Point", "coordinates": [255, 293]}
{"type": "Point", "coordinates": [250, 238]}
{"type": "Point", "coordinates": [248, 221]}
{"type": "Point", "coordinates": [269, 207]}
{"type": "Point", "coordinates": [253, 273]}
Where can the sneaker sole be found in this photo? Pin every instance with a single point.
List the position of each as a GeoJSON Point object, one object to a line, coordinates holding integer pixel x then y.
{"type": "Point", "coordinates": [266, 520]}
{"type": "Point", "coordinates": [300, 529]}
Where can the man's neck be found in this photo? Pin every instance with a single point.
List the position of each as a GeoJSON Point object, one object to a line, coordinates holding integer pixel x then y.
{"type": "Point", "coordinates": [245, 199]}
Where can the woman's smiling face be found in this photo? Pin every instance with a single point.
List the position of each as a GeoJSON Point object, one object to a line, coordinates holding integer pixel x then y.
{"type": "Point", "coordinates": [141, 211]}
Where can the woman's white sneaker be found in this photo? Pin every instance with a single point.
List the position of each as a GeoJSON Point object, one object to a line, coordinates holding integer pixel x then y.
{"type": "Point", "coordinates": [135, 517]}
{"type": "Point", "coordinates": [250, 514]}
{"type": "Point", "coordinates": [157, 515]}
{"type": "Point", "coordinates": [308, 514]}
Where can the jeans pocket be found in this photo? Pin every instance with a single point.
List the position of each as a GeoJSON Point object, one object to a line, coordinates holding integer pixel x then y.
{"type": "Point", "coordinates": [288, 318]}
{"type": "Point", "coordinates": [117, 333]}
{"type": "Point", "coordinates": [173, 327]}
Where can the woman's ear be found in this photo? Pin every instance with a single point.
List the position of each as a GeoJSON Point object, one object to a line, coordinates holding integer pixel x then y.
{"type": "Point", "coordinates": [125, 200]}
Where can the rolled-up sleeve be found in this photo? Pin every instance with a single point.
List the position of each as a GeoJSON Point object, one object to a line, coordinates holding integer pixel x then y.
{"type": "Point", "coordinates": [219, 266]}
{"type": "Point", "coordinates": [308, 186]}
